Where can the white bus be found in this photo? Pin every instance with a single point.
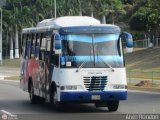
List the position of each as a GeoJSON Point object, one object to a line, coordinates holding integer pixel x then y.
{"type": "Point", "coordinates": [75, 59]}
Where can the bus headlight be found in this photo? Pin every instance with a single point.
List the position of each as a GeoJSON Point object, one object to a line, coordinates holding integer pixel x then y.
{"type": "Point", "coordinates": [119, 86]}
{"type": "Point", "coordinates": [71, 87]}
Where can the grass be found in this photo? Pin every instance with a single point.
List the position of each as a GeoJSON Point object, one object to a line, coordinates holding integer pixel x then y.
{"type": "Point", "coordinates": [12, 78]}
{"type": "Point", "coordinates": [144, 60]}
{"type": "Point", "coordinates": [14, 63]}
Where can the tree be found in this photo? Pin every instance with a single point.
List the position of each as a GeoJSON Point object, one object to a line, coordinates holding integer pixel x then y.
{"type": "Point", "coordinates": [153, 15]}
{"type": "Point", "coordinates": [138, 20]}
{"type": "Point", "coordinates": [147, 17]}
{"type": "Point", "coordinates": [27, 13]}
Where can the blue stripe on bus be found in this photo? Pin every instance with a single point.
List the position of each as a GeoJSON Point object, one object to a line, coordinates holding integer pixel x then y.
{"type": "Point", "coordinates": [87, 38]}
{"type": "Point", "coordinates": [91, 58]}
{"type": "Point", "coordinates": [90, 41]}
{"type": "Point", "coordinates": [87, 96]}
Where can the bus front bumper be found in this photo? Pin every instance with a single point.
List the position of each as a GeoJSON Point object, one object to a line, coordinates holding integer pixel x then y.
{"type": "Point", "coordinates": [89, 97]}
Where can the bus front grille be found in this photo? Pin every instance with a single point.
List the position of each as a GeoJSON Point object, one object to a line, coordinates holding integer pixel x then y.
{"type": "Point", "coordinates": [95, 83]}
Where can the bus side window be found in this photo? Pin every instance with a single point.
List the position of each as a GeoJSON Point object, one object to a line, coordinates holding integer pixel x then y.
{"type": "Point", "coordinates": [33, 45]}
{"type": "Point", "coordinates": [48, 50]}
{"type": "Point", "coordinates": [42, 46]}
{"type": "Point", "coordinates": [48, 44]}
{"type": "Point", "coordinates": [37, 45]}
{"type": "Point", "coordinates": [28, 46]}
{"type": "Point", "coordinates": [54, 58]}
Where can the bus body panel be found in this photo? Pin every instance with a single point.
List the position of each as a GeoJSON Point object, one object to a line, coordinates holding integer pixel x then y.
{"type": "Point", "coordinates": [34, 70]}
{"type": "Point", "coordinates": [92, 97]}
{"type": "Point", "coordinates": [71, 78]}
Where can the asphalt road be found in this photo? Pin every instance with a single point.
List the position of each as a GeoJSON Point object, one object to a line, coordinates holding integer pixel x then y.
{"type": "Point", "coordinates": [16, 103]}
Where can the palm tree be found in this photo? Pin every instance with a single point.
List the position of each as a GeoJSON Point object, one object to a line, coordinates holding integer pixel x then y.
{"type": "Point", "coordinates": [109, 8]}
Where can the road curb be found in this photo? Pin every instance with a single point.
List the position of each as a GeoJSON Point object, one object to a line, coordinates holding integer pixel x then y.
{"type": "Point", "coordinates": [140, 91]}
{"type": "Point", "coordinates": [9, 80]}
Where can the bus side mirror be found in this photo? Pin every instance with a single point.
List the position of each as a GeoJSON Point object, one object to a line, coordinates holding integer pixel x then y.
{"type": "Point", "coordinates": [129, 42]}
{"type": "Point", "coordinates": [58, 45]}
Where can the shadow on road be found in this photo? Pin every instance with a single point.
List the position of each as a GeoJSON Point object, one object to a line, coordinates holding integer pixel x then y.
{"type": "Point", "coordinates": [82, 108]}
{"type": "Point", "coordinates": [67, 108]}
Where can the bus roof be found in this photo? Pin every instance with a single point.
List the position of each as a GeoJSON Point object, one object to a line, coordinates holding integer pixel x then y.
{"type": "Point", "coordinates": [69, 21]}
{"type": "Point", "coordinates": [66, 21]}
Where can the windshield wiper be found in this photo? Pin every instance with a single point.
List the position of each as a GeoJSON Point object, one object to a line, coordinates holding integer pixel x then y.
{"type": "Point", "coordinates": [81, 66]}
{"type": "Point", "coordinates": [84, 62]}
{"type": "Point", "coordinates": [107, 64]}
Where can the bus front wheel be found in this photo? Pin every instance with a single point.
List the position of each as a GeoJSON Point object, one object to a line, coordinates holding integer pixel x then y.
{"type": "Point", "coordinates": [33, 98]}
{"type": "Point", "coordinates": [113, 105]}
{"type": "Point", "coordinates": [54, 102]}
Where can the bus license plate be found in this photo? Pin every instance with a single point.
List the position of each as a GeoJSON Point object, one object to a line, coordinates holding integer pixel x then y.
{"type": "Point", "coordinates": [95, 97]}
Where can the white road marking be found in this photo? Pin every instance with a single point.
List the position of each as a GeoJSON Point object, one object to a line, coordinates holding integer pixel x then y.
{"type": "Point", "coordinates": [6, 112]}
{"type": "Point", "coordinates": [9, 116]}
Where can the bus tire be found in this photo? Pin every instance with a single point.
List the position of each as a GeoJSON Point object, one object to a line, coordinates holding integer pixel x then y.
{"type": "Point", "coordinates": [52, 96]}
{"type": "Point", "coordinates": [40, 100]}
{"type": "Point", "coordinates": [113, 105]}
{"type": "Point", "coordinates": [53, 100]}
{"type": "Point", "coordinates": [33, 98]}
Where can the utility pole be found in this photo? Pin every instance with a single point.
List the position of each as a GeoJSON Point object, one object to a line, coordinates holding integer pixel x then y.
{"type": "Point", "coordinates": [1, 39]}
{"type": "Point", "coordinates": [55, 9]}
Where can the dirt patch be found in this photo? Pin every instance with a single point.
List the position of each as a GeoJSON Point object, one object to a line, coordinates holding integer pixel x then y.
{"type": "Point", "coordinates": [147, 84]}
{"type": "Point", "coordinates": [144, 83]}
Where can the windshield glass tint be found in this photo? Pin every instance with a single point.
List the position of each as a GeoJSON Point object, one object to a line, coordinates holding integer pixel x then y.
{"type": "Point", "coordinates": [95, 50]}
{"type": "Point", "coordinates": [73, 44]}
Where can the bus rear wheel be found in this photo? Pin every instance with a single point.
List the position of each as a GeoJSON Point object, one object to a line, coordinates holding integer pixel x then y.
{"type": "Point", "coordinates": [33, 98]}
{"type": "Point", "coordinates": [113, 105]}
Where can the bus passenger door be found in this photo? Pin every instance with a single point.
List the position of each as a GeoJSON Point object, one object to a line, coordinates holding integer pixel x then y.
{"type": "Point", "coordinates": [47, 63]}
{"type": "Point", "coordinates": [44, 63]}
{"type": "Point", "coordinates": [54, 58]}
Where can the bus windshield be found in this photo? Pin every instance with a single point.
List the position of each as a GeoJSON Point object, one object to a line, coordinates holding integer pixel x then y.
{"type": "Point", "coordinates": [91, 50]}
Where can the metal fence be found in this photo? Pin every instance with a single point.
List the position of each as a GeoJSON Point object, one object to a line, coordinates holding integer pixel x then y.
{"type": "Point", "coordinates": [135, 77]}
{"type": "Point", "coordinates": [147, 43]}
{"type": "Point", "coordinates": [140, 44]}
